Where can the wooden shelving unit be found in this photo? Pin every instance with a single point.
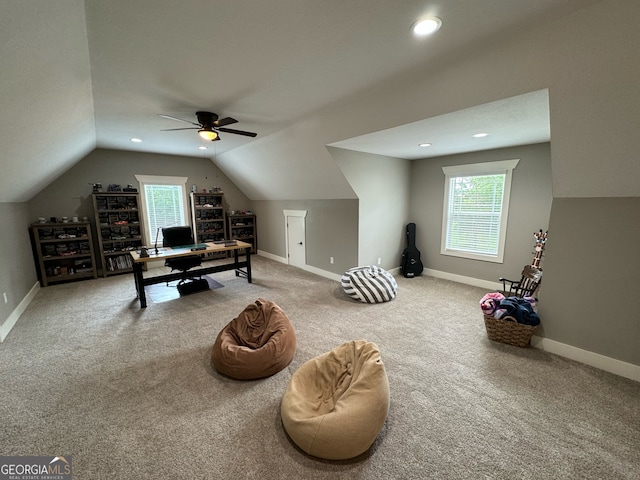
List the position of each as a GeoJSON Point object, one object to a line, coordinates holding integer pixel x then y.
{"type": "Point", "coordinates": [119, 228]}
{"type": "Point", "coordinates": [207, 217]}
{"type": "Point", "coordinates": [63, 252]}
{"type": "Point", "coordinates": [243, 227]}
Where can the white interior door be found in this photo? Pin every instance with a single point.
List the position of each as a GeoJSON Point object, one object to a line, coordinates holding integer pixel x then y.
{"type": "Point", "coordinates": [296, 240]}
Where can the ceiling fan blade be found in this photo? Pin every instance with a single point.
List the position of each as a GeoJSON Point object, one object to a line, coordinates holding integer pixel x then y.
{"type": "Point", "coordinates": [238, 132]}
{"type": "Point", "coordinates": [178, 119]}
{"type": "Point", "coordinates": [224, 122]}
{"type": "Point", "coordinates": [188, 128]}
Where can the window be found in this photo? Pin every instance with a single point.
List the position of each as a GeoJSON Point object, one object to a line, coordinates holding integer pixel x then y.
{"type": "Point", "coordinates": [476, 205]}
{"type": "Point", "coordinates": [164, 203]}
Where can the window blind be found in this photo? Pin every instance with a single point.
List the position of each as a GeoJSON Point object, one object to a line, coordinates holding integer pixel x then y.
{"type": "Point", "coordinates": [474, 213]}
{"type": "Point", "coordinates": [165, 208]}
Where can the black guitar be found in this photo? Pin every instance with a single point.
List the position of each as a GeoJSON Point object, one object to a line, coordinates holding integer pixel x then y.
{"type": "Point", "coordinates": [411, 265]}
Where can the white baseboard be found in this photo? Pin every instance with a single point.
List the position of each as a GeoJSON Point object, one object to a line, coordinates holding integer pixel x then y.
{"type": "Point", "coordinates": [307, 268]}
{"type": "Point", "coordinates": [323, 273]}
{"type": "Point", "coordinates": [476, 282]}
{"type": "Point", "coordinates": [15, 315]}
{"type": "Point", "coordinates": [607, 364]}
{"type": "Point", "coordinates": [271, 256]}
{"type": "Point", "coordinates": [596, 360]}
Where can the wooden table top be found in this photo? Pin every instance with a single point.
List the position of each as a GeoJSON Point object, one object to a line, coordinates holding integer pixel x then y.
{"type": "Point", "coordinates": [173, 252]}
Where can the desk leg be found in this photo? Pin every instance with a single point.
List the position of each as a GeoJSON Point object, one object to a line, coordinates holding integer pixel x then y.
{"type": "Point", "coordinates": [236, 261]}
{"type": "Point", "coordinates": [137, 274]}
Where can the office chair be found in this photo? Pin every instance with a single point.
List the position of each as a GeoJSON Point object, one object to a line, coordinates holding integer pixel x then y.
{"type": "Point", "coordinates": [177, 237]}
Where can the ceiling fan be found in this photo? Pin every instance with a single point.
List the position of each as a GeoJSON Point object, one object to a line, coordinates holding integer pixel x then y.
{"type": "Point", "coordinates": [209, 126]}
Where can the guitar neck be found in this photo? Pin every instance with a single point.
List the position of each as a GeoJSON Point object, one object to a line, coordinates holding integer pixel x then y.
{"type": "Point", "coordinates": [411, 235]}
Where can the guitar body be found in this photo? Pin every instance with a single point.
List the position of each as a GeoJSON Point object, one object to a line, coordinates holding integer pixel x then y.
{"type": "Point", "coordinates": [411, 265]}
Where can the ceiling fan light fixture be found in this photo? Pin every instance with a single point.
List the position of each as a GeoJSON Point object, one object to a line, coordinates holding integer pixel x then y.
{"type": "Point", "coordinates": [208, 134]}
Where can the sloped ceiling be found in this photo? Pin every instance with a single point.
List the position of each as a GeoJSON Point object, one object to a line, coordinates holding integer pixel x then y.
{"type": "Point", "coordinates": [47, 113]}
{"type": "Point", "coordinates": [80, 75]}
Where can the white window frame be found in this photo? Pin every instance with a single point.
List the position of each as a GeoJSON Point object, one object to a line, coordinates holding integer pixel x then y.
{"type": "Point", "coordinates": [505, 167]}
{"type": "Point", "coordinates": [161, 180]}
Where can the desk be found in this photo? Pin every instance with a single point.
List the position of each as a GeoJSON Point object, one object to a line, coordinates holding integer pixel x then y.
{"type": "Point", "coordinates": [173, 252]}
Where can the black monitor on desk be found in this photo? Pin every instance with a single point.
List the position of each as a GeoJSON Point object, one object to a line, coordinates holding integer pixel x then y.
{"type": "Point", "coordinates": [178, 237]}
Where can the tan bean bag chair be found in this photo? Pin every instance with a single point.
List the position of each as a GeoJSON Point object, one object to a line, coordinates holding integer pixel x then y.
{"type": "Point", "coordinates": [258, 343]}
{"type": "Point", "coordinates": [336, 403]}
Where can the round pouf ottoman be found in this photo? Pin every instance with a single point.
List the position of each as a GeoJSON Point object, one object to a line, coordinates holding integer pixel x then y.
{"type": "Point", "coordinates": [258, 343]}
{"type": "Point", "coordinates": [336, 403]}
{"type": "Point", "coordinates": [370, 284]}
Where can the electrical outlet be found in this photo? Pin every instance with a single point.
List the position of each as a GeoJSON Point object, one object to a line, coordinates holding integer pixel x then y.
{"type": "Point", "coordinates": [379, 261]}
{"type": "Point", "coordinates": [6, 300]}
{"type": "Point", "coordinates": [331, 260]}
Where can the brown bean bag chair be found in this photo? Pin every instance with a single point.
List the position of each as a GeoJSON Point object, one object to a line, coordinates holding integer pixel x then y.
{"type": "Point", "coordinates": [258, 343]}
{"type": "Point", "coordinates": [336, 403]}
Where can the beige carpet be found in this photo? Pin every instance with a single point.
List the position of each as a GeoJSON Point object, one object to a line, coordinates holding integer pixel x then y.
{"type": "Point", "coordinates": [130, 393]}
{"type": "Point", "coordinates": [162, 292]}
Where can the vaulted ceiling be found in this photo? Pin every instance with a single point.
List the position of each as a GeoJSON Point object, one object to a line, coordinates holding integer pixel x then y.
{"type": "Point", "coordinates": [83, 75]}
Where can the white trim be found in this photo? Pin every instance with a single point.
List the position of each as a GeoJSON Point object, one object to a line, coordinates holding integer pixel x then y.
{"type": "Point", "coordinates": [306, 268]}
{"type": "Point", "coordinates": [295, 213]}
{"type": "Point", "coordinates": [505, 167]}
{"type": "Point", "coordinates": [395, 272]}
{"type": "Point", "coordinates": [161, 180]}
{"type": "Point", "coordinates": [476, 282]}
{"type": "Point", "coordinates": [299, 214]}
{"type": "Point", "coordinates": [484, 168]}
{"type": "Point", "coordinates": [608, 364]}
{"type": "Point", "coordinates": [9, 323]}
{"type": "Point", "coordinates": [271, 256]}
{"type": "Point", "coordinates": [323, 273]}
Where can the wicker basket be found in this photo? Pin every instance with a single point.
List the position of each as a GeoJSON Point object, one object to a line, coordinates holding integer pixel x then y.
{"type": "Point", "coordinates": [508, 330]}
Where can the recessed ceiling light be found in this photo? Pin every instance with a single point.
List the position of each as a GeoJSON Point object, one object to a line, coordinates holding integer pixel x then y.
{"type": "Point", "coordinates": [426, 26]}
{"type": "Point", "coordinates": [424, 144]}
{"type": "Point", "coordinates": [202, 147]}
{"type": "Point", "coordinates": [480, 135]}
{"type": "Point", "coordinates": [136, 140]}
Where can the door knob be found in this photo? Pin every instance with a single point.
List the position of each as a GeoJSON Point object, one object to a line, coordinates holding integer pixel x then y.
{"type": "Point", "coordinates": [300, 243]}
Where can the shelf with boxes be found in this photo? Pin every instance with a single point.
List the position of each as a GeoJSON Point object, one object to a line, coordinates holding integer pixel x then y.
{"type": "Point", "coordinates": [242, 226]}
{"type": "Point", "coordinates": [119, 228]}
{"type": "Point", "coordinates": [63, 252]}
{"type": "Point", "coordinates": [207, 216]}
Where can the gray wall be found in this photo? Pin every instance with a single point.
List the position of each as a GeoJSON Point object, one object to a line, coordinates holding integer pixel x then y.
{"type": "Point", "coordinates": [592, 268]}
{"type": "Point", "coordinates": [70, 194]}
{"type": "Point", "coordinates": [382, 186]}
{"type": "Point", "coordinates": [529, 210]}
{"type": "Point", "coordinates": [331, 224]}
{"type": "Point", "coordinates": [594, 102]}
{"type": "Point", "coordinates": [18, 268]}
{"type": "Point", "coordinates": [331, 231]}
